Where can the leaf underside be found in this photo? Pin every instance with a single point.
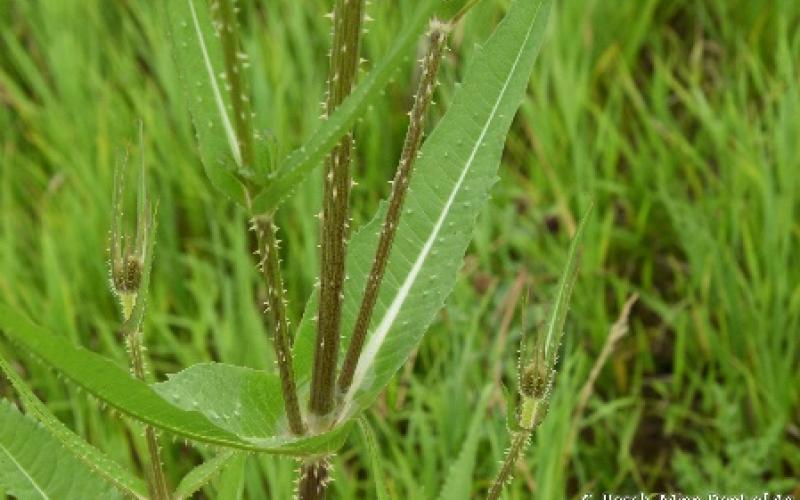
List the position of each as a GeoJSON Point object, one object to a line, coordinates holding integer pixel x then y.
{"type": "Point", "coordinates": [457, 167]}
{"type": "Point", "coordinates": [34, 465]}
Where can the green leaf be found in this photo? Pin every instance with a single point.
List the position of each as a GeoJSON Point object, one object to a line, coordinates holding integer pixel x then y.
{"type": "Point", "coordinates": [245, 402]}
{"type": "Point", "coordinates": [34, 465]}
{"type": "Point", "coordinates": [231, 481]}
{"type": "Point", "coordinates": [203, 473]}
{"type": "Point", "coordinates": [558, 312]}
{"type": "Point", "coordinates": [510, 398]}
{"type": "Point", "coordinates": [199, 60]}
{"type": "Point", "coordinates": [106, 381]}
{"type": "Point", "coordinates": [93, 458]}
{"type": "Point", "coordinates": [457, 167]}
{"type": "Point", "coordinates": [376, 462]}
{"type": "Point", "coordinates": [301, 162]}
{"type": "Point", "coordinates": [459, 478]}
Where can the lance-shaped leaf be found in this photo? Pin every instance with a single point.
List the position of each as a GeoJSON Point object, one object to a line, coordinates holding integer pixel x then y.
{"type": "Point", "coordinates": [554, 329]}
{"type": "Point", "coordinates": [113, 385]}
{"type": "Point", "coordinates": [34, 465]}
{"type": "Point", "coordinates": [203, 473]}
{"type": "Point", "coordinates": [458, 164]}
{"type": "Point", "coordinates": [301, 162]}
{"type": "Point", "coordinates": [199, 59]}
{"type": "Point", "coordinates": [93, 458]}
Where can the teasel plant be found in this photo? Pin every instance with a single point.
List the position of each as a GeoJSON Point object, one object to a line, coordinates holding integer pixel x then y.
{"type": "Point", "coordinates": [326, 389]}
{"type": "Point", "coordinates": [536, 370]}
{"type": "Point", "coordinates": [380, 287]}
{"type": "Point", "coordinates": [129, 265]}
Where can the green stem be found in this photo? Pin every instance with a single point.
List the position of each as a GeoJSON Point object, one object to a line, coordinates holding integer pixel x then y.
{"type": "Point", "coordinates": [262, 225]}
{"type": "Point", "coordinates": [157, 480]}
{"type": "Point", "coordinates": [528, 419]}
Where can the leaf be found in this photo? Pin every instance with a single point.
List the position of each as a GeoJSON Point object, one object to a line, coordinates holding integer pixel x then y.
{"type": "Point", "coordinates": [458, 164]}
{"type": "Point", "coordinates": [243, 401]}
{"type": "Point", "coordinates": [510, 398]}
{"type": "Point", "coordinates": [375, 459]}
{"type": "Point", "coordinates": [301, 162]}
{"type": "Point", "coordinates": [203, 473]}
{"type": "Point", "coordinates": [231, 481]}
{"type": "Point", "coordinates": [199, 60]}
{"type": "Point", "coordinates": [34, 465]}
{"type": "Point", "coordinates": [106, 381]}
{"type": "Point", "coordinates": [558, 313]}
{"type": "Point", "coordinates": [459, 478]}
{"type": "Point", "coordinates": [93, 458]}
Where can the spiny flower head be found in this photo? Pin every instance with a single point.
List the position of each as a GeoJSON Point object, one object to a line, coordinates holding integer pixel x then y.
{"type": "Point", "coordinates": [129, 251]}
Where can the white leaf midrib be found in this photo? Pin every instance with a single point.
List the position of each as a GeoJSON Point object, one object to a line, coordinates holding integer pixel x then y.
{"type": "Point", "coordinates": [378, 337]}
{"type": "Point", "coordinates": [24, 472]}
{"type": "Point", "coordinates": [218, 100]}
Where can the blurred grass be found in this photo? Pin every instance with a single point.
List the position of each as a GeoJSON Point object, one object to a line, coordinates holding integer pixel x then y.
{"type": "Point", "coordinates": [679, 118]}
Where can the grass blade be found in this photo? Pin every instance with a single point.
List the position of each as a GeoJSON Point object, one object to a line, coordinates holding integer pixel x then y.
{"type": "Point", "coordinates": [381, 493]}
{"type": "Point", "coordinates": [231, 480]}
{"type": "Point", "coordinates": [459, 478]}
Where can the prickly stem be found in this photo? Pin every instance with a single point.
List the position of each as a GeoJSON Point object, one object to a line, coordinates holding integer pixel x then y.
{"type": "Point", "coordinates": [348, 17]}
{"type": "Point", "coordinates": [347, 20]}
{"type": "Point", "coordinates": [158, 481]}
{"type": "Point", "coordinates": [263, 226]}
{"type": "Point", "coordinates": [128, 267]}
{"type": "Point", "coordinates": [314, 479]}
{"type": "Point", "coordinates": [437, 38]}
{"type": "Point", "coordinates": [530, 416]}
{"type": "Point", "coordinates": [271, 270]}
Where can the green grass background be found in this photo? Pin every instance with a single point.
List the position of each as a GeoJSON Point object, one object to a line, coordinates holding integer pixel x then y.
{"type": "Point", "coordinates": [680, 118]}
